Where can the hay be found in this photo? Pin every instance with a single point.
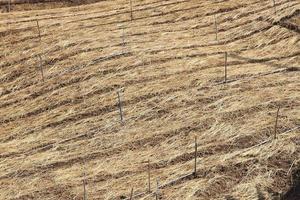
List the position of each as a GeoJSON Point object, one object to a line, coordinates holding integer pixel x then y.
{"type": "Point", "coordinates": [172, 72]}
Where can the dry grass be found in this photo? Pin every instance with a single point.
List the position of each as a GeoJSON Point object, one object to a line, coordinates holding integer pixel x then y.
{"type": "Point", "coordinates": [26, 5]}
{"type": "Point", "coordinates": [170, 69]}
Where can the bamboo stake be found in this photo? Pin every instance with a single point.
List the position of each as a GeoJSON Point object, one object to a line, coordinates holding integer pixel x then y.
{"type": "Point", "coordinates": [9, 4]}
{"type": "Point", "coordinates": [225, 65]}
{"type": "Point", "coordinates": [123, 40]}
{"type": "Point", "coordinates": [157, 190]}
{"type": "Point", "coordinates": [84, 188]}
{"type": "Point", "coordinates": [216, 27]}
{"type": "Point", "coordinates": [120, 107]}
{"type": "Point", "coordinates": [123, 37]}
{"type": "Point", "coordinates": [149, 186]}
{"type": "Point", "coordinates": [274, 5]}
{"type": "Point", "coordinates": [41, 68]}
{"type": "Point", "coordinates": [38, 27]}
{"type": "Point", "coordinates": [131, 12]}
{"type": "Point", "coordinates": [195, 166]}
{"type": "Point", "coordinates": [131, 194]}
{"type": "Point", "coordinates": [276, 122]}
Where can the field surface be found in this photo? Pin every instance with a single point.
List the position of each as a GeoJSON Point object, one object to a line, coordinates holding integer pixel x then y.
{"type": "Point", "coordinates": [60, 126]}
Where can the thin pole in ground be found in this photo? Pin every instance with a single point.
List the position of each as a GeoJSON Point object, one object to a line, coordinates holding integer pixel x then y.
{"type": "Point", "coordinates": [123, 39]}
{"type": "Point", "coordinates": [38, 27]}
{"type": "Point", "coordinates": [157, 190]}
{"type": "Point", "coordinates": [131, 194]}
{"type": "Point", "coordinates": [276, 123]}
{"type": "Point", "coordinates": [120, 107]}
{"type": "Point", "coordinates": [84, 188]}
{"type": "Point", "coordinates": [9, 5]}
{"type": "Point", "coordinates": [41, 67]}
{"type": "Point", "coordinates": [225, 65]}
{"type": "Point", "coordinates": [274, 6]}
{"type": "Point", "coordinates": [131, 12]}
{"type": "Point", "coordinates": [195, 164]}
{"type": "Point", "coordinates": [149, 185]}
{"type": "Point", "coordinates": [216, 27]}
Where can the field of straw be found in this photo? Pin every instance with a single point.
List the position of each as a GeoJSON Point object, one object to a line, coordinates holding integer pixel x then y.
{"type": "Point", "coordinates": [22, 5]}
{"type": "Point", "coordinates": [61, 71]}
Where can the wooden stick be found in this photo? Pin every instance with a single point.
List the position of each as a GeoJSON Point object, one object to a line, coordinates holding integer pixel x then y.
{"type": "Point", "coordinates": [149, 186]}
{"type": "Point", "coordinates": [195, 167]}
{"type": "Point", "coordinates": [276, 122]}
{"type": "Point", "coordinates": [120, 106]}
{"type": "Point", "coordinates": [123, 40]}
{"type": "Point", "coordinates": [131, 14]}
{"type": "Point", "coordinates": [38, 27]}
{"type": "Point", "coordinates": [216, 28]}
{"type": "Point", "coordinates": [9, 4]}
{"type": "Point", "coordinates": [41, 68]}
{"type": "Point", "coordinates": [84, 188]}
{"type": "Point", "coordinates": [274, 5]}
{"type": "Point", "coordinates": [123, 37]}
{"type": "Point", "coordinates": [157, 190]}
{"type": "Point", "coordinates": [225, 65]}
{"type": "Point", "coordinates": [131, 194]}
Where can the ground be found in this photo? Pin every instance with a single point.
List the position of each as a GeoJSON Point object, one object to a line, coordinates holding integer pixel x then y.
{"type": "Point", "coordinates": [59, 113]}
